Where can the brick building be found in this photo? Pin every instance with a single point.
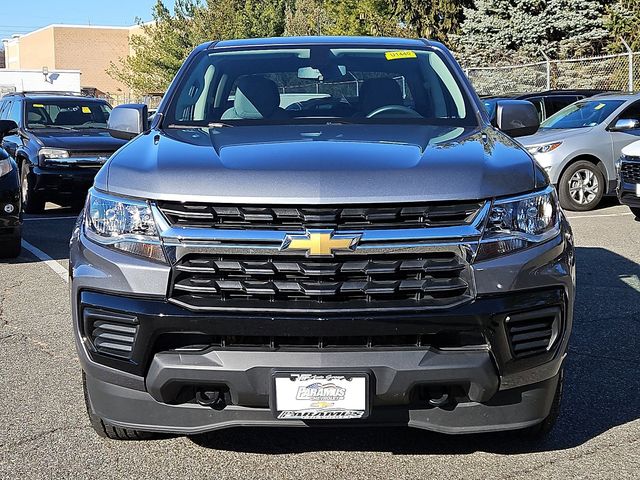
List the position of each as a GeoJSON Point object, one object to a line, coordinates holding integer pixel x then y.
{"type": "Point", "coordinates": [87, 48]}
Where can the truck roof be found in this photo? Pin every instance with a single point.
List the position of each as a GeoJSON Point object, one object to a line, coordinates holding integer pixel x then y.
{"type": "Point", "coordinates": [322, 40]}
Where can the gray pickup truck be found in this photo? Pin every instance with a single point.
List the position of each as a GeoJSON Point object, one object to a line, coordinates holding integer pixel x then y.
{"type": "Point", "coordinates": [322, 231]}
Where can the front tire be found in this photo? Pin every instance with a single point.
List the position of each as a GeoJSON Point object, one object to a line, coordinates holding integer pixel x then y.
{"type": "Point", "coordinates": [11, 246]}
{"type": "Point", "coordinates": [32, 201]}
{"type": "Point", "coordinates": [105, 430]}
{"type": "Point", "coordinates": [540, 430]}
{"type": "Point", "coordinates": [581, 186]}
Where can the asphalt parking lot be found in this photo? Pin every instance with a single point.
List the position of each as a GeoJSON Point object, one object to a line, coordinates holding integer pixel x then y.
{"type": "Point", "coordinates": [44, 432]}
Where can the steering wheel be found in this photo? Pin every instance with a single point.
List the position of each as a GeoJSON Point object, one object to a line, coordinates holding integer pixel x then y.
{"type": "Point", "coordinates": [394, 108]}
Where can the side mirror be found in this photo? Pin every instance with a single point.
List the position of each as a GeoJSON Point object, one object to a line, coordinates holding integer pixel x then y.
{"type": "Point", "coordinates": [7, 127]}
{"type": "Point", "coordinates": [625, 124]}
{"type": "Point", "coordinates": [517, 118]}
{"type": "Point", "coordinates": [128, 121]}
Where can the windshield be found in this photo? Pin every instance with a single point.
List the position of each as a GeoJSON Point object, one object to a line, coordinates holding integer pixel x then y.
{"type": "Point", "coordinates": [319, 84]}
{"type": "Point", "coordinates": [67, 114]}
{"type": "Point", "coordinates": [582, 114]}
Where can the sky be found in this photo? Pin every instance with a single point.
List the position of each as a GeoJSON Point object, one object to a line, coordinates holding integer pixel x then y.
{"type": "Point", "coordinates": [23, 16]}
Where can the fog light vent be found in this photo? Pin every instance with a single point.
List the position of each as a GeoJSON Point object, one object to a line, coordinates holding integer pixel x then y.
{"type": "Point", "coordinates": [533, 333]}
{"type": "Point", "coordinates": [111, 333]}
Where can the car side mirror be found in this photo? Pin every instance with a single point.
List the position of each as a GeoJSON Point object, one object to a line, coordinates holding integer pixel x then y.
{"type": "Point", "coordinates": [625, 124]}
{"type": "Point", "coordinates": [7, 127]}
{"type": "Point", "coordinates": [128, 121]}
{"type": "Point", "coordinates": [517, 118]}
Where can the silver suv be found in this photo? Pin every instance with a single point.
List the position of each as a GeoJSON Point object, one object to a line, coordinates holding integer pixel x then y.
{"type": "Point", "coordinates": [373, 252]}
{"type": "Point", "coordinates": [579, 145]}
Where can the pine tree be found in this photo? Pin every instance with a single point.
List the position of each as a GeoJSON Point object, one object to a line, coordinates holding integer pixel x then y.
{"type": "Point", "coordinates": [433, 19]}
{"type": "Point", "coordinates": [624, 21]}
{"type": "Point", "coordinates": [508, 30]}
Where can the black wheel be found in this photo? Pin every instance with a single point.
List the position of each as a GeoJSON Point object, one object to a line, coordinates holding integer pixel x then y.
{"type": "Point", "coordinates": [581, 186]}
{"type": "Point", "coordinates": [636, 212]}
{"type": "Point", "coordinates": [12, 246]}
{"type": "Point", "coordinates": [542, 429]}
{"type": "Point", "coordinates": [108, 431]}
{"type": "Point", "coordinates": [32, 201]}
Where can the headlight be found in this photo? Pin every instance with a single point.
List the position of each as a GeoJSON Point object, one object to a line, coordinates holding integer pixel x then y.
{"type": "Point", "coordinates": [123, 224]}
{"type": "Point", "coordinates": [549, 147]}
{"type": "Point", "coordinates": [53, 153]}
{"type": "Point", "coordinates": [520, 222]}
{"type": "Point", "coordinates": [5, 167]}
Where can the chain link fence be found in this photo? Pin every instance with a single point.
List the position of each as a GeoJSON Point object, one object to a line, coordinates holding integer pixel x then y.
{"type": "Point", "coordinates": [609, 72]}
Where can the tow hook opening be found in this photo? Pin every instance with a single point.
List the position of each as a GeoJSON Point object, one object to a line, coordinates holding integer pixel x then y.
{"type": "Point", "coordinates": [215, 398]}
{"type": "Point", "coordinates": [441, 396]}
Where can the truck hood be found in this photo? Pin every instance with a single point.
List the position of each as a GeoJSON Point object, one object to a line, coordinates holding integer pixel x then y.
{"type": "Point", "coordinates": [315, 164]}
{"type": "Point", "coordinates": [552, 135]}
{"type": "Point", "coordinates": [93, 140]}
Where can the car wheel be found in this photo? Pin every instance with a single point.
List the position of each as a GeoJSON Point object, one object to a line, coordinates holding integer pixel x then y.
{"type": "Point", "coordinates": [542, 429]}
{"type": "Point", "coordinates": [12, 246]}
{"type": "Point", "coordinates": [105, 430]}
{"type": "Point", "coordinates": [32, 201]}
{"type": "Point", "coordinates": [581, 186]}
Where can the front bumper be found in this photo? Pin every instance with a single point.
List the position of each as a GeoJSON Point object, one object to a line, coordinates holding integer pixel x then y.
{"type": "Point", "coordinates": [10, 223]}
{"type": "Point", "coordinates": [63, 182]}
{"type": "Point", "coordinates": [151, 389]}
{"type": "Point", "coordinates": [627, 191]}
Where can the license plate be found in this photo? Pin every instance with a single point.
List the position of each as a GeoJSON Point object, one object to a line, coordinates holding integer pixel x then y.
{"type": "Point", "coordinates": [637, 189]}
{"type": "Point", "coordinates": [311, 396]}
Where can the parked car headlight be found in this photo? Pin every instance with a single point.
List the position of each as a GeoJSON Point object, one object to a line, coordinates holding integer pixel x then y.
{"type": "Point", "coordinates": [53, 153]}
{"type": "Point", "coordinates": [520, 222]}
{"type": "Point", "coordinates": [123, 224]}
{"type": "Point", "coordinates": [5, 167]}
{"type": "Point", "coordinates": [549, 147]}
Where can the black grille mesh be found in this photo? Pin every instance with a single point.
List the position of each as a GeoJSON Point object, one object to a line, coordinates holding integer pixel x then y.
{"type": "Point", "coordinates": [325, 217]}
{"type": "Point", "coordinates": [630, 172]}
{"type": "Point", "coordinates": [205, 281]}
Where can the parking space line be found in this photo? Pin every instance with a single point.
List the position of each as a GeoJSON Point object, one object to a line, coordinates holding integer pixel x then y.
{"type": "Point", "coordinates": [48, 261]}
{"type": "Point", "coordinates": [603, 215]}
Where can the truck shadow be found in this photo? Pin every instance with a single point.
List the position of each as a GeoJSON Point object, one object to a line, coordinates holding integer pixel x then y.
{"type": "Point", "coordinates": [601, 387]}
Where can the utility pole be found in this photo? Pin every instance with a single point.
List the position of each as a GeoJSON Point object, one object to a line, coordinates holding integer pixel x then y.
{"type": "Point", "coordinates": [630, 53]}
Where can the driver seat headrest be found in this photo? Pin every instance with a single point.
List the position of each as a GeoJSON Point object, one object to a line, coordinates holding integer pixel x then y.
{"type": "Point", "coordinates": [379, 92]}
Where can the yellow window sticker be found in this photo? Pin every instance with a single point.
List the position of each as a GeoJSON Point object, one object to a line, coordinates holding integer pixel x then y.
{"type": "Point", "coordinates": [38, 105]}
{"type": "Point", "coordinates": [400, 54]}
{"type": "Point", "coordinates": [86, 110]}
{"type": "Point", "coordinates": [599, 106]}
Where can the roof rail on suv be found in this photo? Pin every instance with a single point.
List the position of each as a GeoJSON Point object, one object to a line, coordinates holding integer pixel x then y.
{"type": "Point", "coordinates": [44, 92]}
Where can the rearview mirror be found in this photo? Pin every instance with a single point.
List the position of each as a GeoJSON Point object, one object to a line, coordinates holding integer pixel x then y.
{"type": "Point", "coordinates": [625, 124]}
{"type": "Point", "coordinates": [516, 118]}
{"type": "Point", "coordinates": [7, 127]}
{"type": "Point", "coordinates": [328, 72]}
{"type": "Point", "coordinates": [128, 121]}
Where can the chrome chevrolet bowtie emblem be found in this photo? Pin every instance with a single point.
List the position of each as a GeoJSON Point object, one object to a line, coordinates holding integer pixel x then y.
{"type": "Point", "coordinates": [320, 242]}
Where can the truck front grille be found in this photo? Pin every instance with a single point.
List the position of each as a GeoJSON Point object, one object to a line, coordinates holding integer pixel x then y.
{"type": "Point", "coordinates": [630, 172]}
{"type": "Point", "coordinates": [356, 217]}
{"type": "Point", "coordinates": [347, 281]}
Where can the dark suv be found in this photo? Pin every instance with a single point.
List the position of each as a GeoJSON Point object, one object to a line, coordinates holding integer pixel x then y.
{"type": "Point", "coordinates": [60, 144]}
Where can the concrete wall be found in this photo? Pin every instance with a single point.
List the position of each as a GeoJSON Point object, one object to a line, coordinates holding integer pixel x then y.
{"type": "Point", "coordinates": [89, 49]}
{"type": "Point", "coordinates": [92, 50]}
